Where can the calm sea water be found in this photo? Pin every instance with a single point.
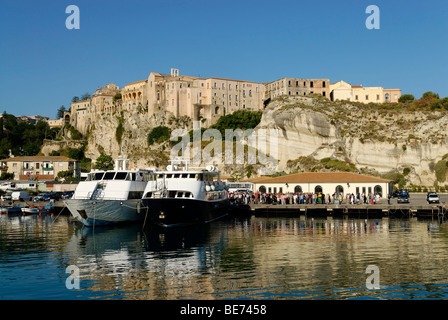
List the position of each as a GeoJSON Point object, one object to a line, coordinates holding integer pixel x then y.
{"type": "Point", "coordinates": [246, 258]}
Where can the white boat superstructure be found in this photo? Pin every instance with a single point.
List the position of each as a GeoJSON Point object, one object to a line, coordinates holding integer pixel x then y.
{"type": "Point", "coordinates": [182, 194]}
{"type": "Point", "coordinates": [110, 196]}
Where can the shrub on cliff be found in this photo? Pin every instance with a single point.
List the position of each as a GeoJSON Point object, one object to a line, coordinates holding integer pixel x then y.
{"type": "Point", "coordinates": [104, 162]}
{"type": "Point", "coordinates": [241, 119]}
{"type": "Point", "coordinates": [119, 131]}
{"type": "Point", "coordinates": [158, 135]}
{"type": "Point", "coordinates": [441, 170]}
{"type": "Point", "coordinates": [405, 98]}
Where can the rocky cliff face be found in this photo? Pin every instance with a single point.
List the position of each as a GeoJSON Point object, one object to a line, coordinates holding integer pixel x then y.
{"type": "Point", "coordinates": [313, 134]}
{"type": "Point", "coordinates": [133, 142]}
{"type": "Point", "coordinates": [375, 140]}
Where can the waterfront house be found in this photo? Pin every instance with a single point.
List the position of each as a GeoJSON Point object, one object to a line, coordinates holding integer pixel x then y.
{"type": "Point", "coordinates": [39, 167]}
{"type": "Point", "coordinates": [324, 182]}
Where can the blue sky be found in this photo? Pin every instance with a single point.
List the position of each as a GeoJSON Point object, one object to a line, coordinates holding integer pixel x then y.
{"type": "Point", "coordinates": [43, 64]}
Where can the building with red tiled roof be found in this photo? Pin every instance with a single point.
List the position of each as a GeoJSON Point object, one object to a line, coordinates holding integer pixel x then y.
{"type": "Point", "coordinates": [324, 182]}
{"type": "Point", "coordinates": [39, 167]}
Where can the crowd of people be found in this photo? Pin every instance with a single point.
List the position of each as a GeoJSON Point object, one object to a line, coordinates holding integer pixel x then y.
{"type": "Point", "coordinates": [246, 197]}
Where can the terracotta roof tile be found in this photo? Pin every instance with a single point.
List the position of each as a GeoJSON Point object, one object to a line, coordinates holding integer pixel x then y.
{"type": "Point", "coordinates": [319, 177]}
{"type": "Point", "coordinates": [38, 158]}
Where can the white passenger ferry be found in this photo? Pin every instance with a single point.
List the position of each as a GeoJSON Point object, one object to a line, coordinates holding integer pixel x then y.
{"type": "Point", "coordinates": [181, 195]}
{"type": "Point", "coordinates": [110, 196]}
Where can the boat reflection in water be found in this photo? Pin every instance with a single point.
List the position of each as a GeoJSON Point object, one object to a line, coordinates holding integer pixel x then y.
{"type": "Point", "coordinates": [262, 258]}
{"type": "Point", "coordinates": [154, 262]}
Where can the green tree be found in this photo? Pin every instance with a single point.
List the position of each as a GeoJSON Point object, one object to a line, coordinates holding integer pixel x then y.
{"type": "Point", "coordinates": [60, 112]}
{"type": "Point", "coordinates": [75, 99]}
{"type": "Point", "coordinates": [158, 135]}
{"type": "Point", "coordinates": [76, 153]}
{"type": "Point", "coordinates": [85, 96]}
{"type": "Point", "coordinates": [117, 97]}
{"type": "Point", "coordinates": [120, 130]}
{"type": "Point", "coordinates": [406, 97]}
{"type": "Point", "coordinates": [430, 94]}
{"type": "Point", "coordinates": [241, 119]}
{"type": "Point", "coordinates": [444, 103]}
{"type": "Point", "coordinates": [104, 162]}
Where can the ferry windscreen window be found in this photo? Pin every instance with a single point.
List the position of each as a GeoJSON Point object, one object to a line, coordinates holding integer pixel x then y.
{"type": "Point", "coordinates": [109, 175]}
{"type": "Point", "coordinates": [98, 176]}
{"type": "Point", "coordinates": [120, 175]}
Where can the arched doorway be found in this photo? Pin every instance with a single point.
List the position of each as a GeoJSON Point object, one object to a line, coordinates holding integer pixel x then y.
{"type": "Point", "coordinates": [378, 189]}
{"type": "Point", "coordinates": [318, 189]}
{"type": "Point", "coordinates": [262, 189]}
{"type": "Point", "coordinates": [339, 189]}
{"type": "Point", "coordinates": [297, 189]}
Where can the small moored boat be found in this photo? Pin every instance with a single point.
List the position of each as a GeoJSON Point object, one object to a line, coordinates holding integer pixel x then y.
{"type": "Point", "coordinates": [10, 210]}
{"type": "Point", "coordinates": [29, 210]}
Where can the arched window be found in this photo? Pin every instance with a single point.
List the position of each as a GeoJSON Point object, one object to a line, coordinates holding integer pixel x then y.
{"type": "Point", "coordinates": [297, 189]}
{"type": "Point", "coordinates": [378, 190]}
{"type": "Point", "coordinates": [387, 97]}
{"type": "Point", "coordinates": [339, 189]}
{"type": "Point", "coordinates": [262, 189]}
{"type": "Point", "coordinates": [318, 189]}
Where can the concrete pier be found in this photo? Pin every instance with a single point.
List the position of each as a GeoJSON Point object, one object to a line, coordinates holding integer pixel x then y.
{"type": "Point", "coordinates": [363, 210]}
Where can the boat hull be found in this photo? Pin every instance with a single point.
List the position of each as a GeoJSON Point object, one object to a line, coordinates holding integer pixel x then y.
{"type": "Point", "coordinates": [28, 211]}
{"type": "Point", "coordinates": [172, 211]}
{"type": "Point", "coordinates": [105, 212]}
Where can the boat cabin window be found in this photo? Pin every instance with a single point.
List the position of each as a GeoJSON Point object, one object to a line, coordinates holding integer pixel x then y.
{"type": "Point", "coordinates": [187, 194]}
{"type": "Point", "coordinates": [171, 194]}
{"type": "Point", "coordinates": [149, 176]}
{"type": "Point", "coordinates": [120, 176]}
{"type": "Point", "coordinates": [148, 194]}
{"type": "Point", "coordinates": [177, 175]}
{"type": "Point", "coordinates": [168, 176]}
{"type": "Point", "coordinates": [97, 176]}
{"type": "Point", "coordinates": [192, 176]}
{"type": "Point", "coordinates": [109, 175]}
{"type": "Point", "coordinates": [135, 195]}
{"type": "Point", "coordinates": [185, 175]}
{"type": "Point", "coordinates": [180, 194]}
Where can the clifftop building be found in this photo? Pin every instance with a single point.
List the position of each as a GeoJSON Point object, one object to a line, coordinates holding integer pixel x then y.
{"type": "Point", "coordinates": [207, 99]}
{"type": "Point", "coordinates": [294, 86]}
{"type": "Point", "coordinates": [345, 91]}
{"type": "Point", "coordinates": [201, 99]}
